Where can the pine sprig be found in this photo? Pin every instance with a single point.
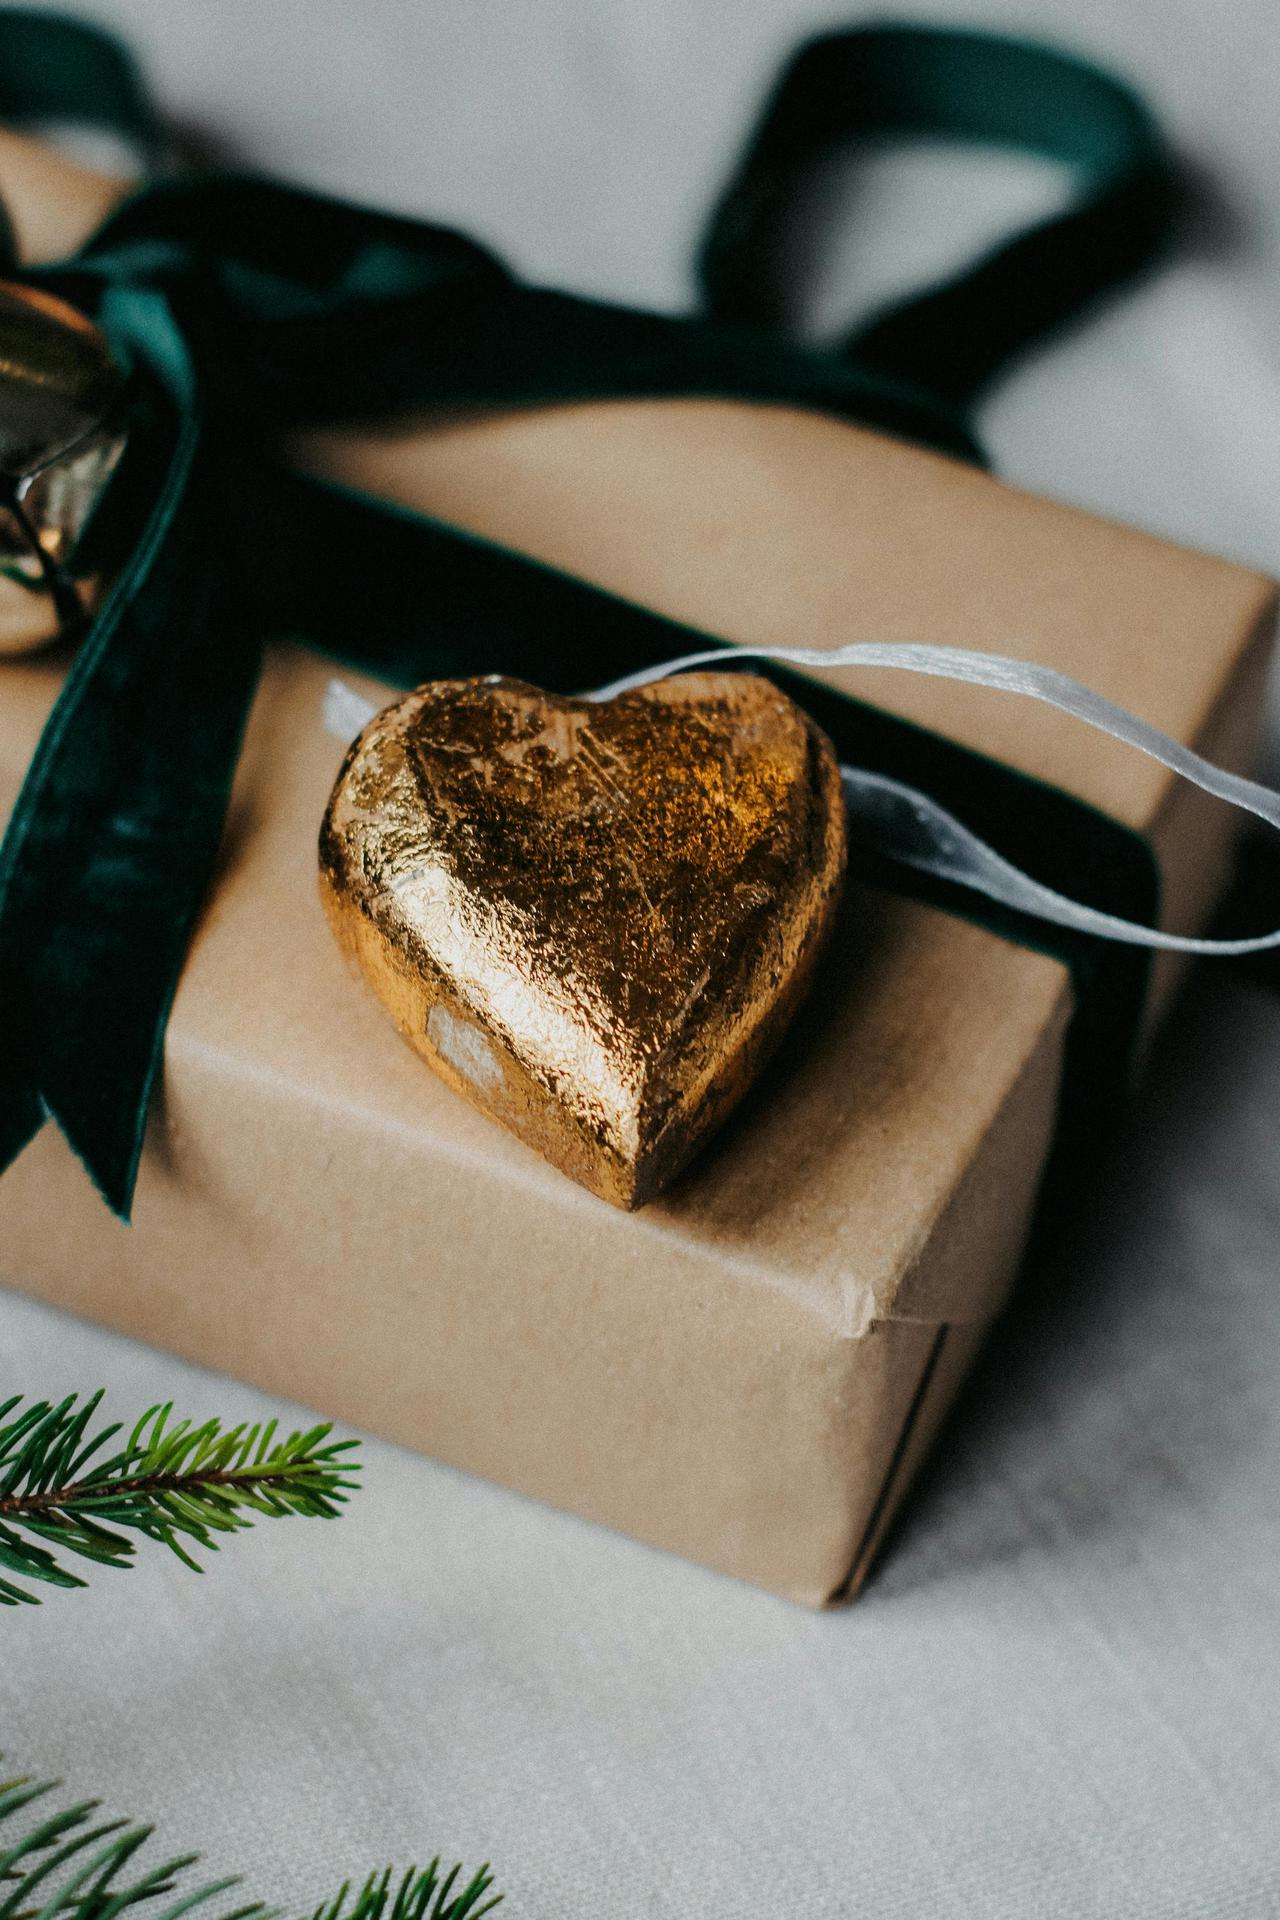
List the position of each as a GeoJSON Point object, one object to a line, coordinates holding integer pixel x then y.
{"type": "Point", "coordinates": [172, 1482]}
{"type": "Point", "coordinates": [68, 1866]}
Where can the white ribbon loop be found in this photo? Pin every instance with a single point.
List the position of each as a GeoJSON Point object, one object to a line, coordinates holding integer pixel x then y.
{"type": "Point", "coordinates": [908, 827]}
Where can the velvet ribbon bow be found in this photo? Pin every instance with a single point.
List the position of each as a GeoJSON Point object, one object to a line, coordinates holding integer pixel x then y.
{"type": "Point", "coordinates": [246, 309]}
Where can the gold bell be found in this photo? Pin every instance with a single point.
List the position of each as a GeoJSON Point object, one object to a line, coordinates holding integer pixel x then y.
{"type": "Point", "coordinates": [59, 384]}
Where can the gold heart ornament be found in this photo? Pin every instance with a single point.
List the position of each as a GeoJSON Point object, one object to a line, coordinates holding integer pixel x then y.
{"type": "Point", "coordinates": [593, 920]}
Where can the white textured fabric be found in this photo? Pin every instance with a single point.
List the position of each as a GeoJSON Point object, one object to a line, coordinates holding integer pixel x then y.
{"type": "Point", "coordinates": [1060, 1696]}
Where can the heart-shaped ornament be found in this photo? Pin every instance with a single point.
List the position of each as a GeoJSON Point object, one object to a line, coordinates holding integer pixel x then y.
{"type": "Point", "coordinates": [593, 920]}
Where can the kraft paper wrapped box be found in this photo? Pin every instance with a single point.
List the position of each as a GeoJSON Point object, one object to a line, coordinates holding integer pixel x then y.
{"type": "Point", "coordinates": [747, 1371]}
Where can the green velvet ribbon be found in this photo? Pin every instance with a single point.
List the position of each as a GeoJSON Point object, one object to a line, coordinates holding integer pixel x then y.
{"type": "Point", "coordinates": [246, 309]}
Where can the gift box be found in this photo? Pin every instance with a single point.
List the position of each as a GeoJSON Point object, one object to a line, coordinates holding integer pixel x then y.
{"type": "Point", "coordinates": [747, 1371]}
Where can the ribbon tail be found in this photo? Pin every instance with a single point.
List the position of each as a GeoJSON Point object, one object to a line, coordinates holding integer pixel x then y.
{"type": "Point", "coordinates": [124, 917]}
{"type": "Point", "coordinates": [104, 895]}
{"type": "Point", "coordinates": [109, 851]}
{"type": "Point", "coordinates": [22, 1114]}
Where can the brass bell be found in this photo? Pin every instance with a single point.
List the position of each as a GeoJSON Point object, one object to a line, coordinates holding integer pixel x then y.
{"type": "Point", "coordinates": [59, 385]}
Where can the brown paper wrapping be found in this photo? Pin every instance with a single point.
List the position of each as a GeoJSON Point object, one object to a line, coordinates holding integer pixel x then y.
{"type": "Point", "coordinates": [747, 1371]}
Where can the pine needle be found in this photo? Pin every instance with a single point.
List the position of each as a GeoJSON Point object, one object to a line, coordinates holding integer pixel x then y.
{"type": "Point", "coordinates": [67, 1865]}
{"type": "Point", "coordinates": [180, 1484]}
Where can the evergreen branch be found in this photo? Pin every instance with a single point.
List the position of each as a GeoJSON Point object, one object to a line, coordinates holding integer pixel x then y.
{"type": "Point", "coordinates": [172, 1483]}
{"type": "Point", "coordinates": [68, 1867]}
